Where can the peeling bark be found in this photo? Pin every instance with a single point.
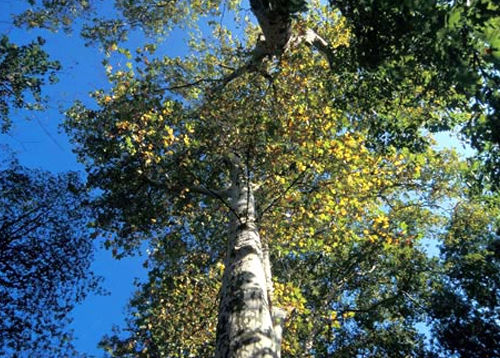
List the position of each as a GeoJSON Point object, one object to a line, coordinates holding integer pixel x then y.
{"type": "Point", "coordinates": [269, 278]}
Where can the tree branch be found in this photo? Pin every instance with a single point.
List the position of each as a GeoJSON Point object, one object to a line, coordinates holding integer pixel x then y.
{"type": "Point", "coordinates": [311, 38]}
{"type": "Point", "coordinates": [295, 181]}
{"type": "Point", "coordinates": [190, 84]}
{"type": "Point", "coordinates": [199, 189]}
{"type": "Point", "coordinates": [252, 65]}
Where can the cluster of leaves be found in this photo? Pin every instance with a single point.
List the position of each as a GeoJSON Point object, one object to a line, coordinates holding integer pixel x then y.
{"type": "Point", "coordinates": [455, 44]}
{"type": "Point", "coordinates": [23, 71]}
{"type": "Point", "coordinates": [45, 256]}
{"type": "Point", "coordinates": [174, 314]}
{"type": "Point", "coordinates": [52, 15]}
{"type": "Point", "coordinates": [153, 17]}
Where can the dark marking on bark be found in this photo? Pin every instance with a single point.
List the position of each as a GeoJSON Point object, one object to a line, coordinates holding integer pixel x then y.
{"type": "Point", "coordinates": [244, 251]}
{"type": "Point", "coordinates": [249, 337]}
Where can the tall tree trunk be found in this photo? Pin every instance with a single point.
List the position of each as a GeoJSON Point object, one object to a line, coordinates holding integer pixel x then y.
{"type": "Point", "coordinates": [245, 327]}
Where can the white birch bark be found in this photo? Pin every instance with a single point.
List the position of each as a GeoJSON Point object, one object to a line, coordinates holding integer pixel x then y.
{"type": "Point", "coordinates": [245, 327]}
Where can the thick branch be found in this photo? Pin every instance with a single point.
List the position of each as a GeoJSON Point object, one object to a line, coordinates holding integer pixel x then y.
{"type": "Point", "coordinates": [199, 189]}
{"type": "Point", "coordinates": [312, 39]}
{"type": "Point", "coordinates": [252, 65]}
{"type": "Point", "coordinates": [263, 49]}
{"type": "Point", "coordinates": [276, 26]}
{"type": "Point", "coordinates": [216, 194]}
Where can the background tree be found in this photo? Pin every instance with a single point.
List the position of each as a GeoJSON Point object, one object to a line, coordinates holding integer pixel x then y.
{"type": "Point", "coordinates": [46, 244]}
{"type": "Point", "coordinates": [456, 43]}
{"type": "Point", "coordinates": [45, 256]}
{"type": "Point", "coordinates": [23, 71]}
{"type": "Point", "coordinates": [465, 302]}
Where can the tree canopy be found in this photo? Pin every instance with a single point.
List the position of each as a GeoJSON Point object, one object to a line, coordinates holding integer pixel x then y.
{"type": "Point", "coordinates": [297, 141]}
